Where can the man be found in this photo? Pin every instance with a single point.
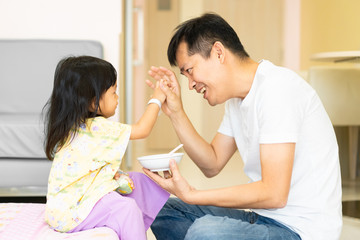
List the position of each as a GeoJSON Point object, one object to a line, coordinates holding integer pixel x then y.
{"type": "Point", "coordinates": [278, 124]}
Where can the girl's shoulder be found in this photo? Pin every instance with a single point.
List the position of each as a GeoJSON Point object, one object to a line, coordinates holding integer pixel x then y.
{"type": "Point", "coordinates": [103, 126]}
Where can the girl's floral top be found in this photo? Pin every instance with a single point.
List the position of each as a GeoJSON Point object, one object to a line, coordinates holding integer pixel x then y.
{"type": "Point", "coordinates": [83, 171]}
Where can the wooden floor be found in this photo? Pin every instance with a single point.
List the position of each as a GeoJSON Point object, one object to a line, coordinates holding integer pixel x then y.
{"type": "Point", "coordinates": [351, 209]}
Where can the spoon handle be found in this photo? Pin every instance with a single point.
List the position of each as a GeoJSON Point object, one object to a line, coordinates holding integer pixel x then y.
{"type": "Point", "coordinates": [175, 149]}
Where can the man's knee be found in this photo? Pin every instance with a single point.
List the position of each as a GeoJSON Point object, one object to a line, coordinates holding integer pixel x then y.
{"type": "Point", "coordinates": [170, 206]}
{"type": "Point", "coordinates": [166, 212]}
{"type": "Point", "coordinates": [174, 203]}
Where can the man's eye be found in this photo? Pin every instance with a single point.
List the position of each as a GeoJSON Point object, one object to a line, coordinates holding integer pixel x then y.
{"type": "Point", "coordinates": [189, 70]}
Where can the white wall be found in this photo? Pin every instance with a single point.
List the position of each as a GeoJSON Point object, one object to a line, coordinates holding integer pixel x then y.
{"type": "Point", "coordinates": [65, 19]}
{"type": "Point", "coordinates": [292, 34]}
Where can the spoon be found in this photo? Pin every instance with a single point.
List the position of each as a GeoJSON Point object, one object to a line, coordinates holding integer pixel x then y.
{"type": "Point", "coordinates": [175, 149]}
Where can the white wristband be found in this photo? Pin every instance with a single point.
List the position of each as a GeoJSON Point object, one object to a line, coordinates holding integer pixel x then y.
{"type": "Point", "coordinates": [156, 101]}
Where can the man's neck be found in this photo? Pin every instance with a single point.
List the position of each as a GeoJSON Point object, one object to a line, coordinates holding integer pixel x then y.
{"type": "Point", "coordinates": [242, 77]}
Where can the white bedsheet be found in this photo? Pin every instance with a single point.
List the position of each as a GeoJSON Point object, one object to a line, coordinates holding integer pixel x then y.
{"type": "Point", "coordinates": [20, 221]}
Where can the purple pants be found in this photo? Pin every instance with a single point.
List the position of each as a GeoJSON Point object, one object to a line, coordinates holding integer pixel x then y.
{"type": "Point", "coordinates": [131, 215]}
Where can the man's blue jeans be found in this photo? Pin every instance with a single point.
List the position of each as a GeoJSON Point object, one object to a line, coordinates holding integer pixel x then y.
{"type": "Point", "coordinates": [178, 220]}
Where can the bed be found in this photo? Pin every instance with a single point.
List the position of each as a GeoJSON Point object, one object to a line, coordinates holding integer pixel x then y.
{"type": "Point", "coordinates": [26, 79]}
{"type": "Point", "coordinates": [26, 221]}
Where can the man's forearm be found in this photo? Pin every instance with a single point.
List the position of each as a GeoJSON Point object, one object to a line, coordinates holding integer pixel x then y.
{"type": "Point", "coordinates": [200, 151]}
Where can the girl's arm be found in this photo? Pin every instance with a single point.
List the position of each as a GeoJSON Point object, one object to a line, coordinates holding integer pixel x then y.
{"type": "Point", "coordinates": [143, 127]}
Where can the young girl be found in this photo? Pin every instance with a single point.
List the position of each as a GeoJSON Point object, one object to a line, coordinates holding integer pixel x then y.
{"type": "Point", "coordinates": [87, 149]}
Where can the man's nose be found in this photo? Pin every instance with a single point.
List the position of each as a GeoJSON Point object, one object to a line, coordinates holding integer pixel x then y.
{"type": "Point", "coordinates": [192, 84]}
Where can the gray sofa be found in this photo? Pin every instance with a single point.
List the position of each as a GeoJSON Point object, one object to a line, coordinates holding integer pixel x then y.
{"type": "Point", "coordinates": [26, 80]}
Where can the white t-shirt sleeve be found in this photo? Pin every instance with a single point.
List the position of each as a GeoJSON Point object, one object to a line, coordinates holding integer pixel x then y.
{"type": "Point", "coordinates": [279, 113]}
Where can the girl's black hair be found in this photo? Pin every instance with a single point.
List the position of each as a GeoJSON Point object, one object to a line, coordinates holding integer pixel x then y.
{"type": "Point", "coordinates": [78, 83]}
{"type": "Point", "coordinates": [201, 33]}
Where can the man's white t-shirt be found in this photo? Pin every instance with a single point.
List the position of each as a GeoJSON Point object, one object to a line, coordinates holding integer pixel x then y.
{"type": "Point", "coordinates": [281, 107]}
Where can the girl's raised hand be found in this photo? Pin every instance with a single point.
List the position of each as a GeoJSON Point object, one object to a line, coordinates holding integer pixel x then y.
{"type": "Point", "coordinates": [158, 93]}
{"type": "Point", "coordinates": [159, 73]}
{"type": "Point", "coordinates": [170, 86]}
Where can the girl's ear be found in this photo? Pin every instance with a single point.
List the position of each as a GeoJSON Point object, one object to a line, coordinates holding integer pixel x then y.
{"type": "Point", "coordinates": [92, 105]}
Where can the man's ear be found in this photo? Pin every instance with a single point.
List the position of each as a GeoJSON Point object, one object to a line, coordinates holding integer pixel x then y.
{"type": "Point", "coordinates": [219, 50]}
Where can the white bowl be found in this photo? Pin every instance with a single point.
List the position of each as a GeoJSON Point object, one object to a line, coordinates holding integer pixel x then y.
{"type": "Point", "coordinates": [159, 162]}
